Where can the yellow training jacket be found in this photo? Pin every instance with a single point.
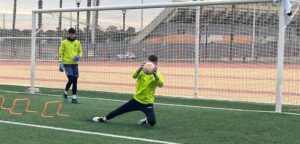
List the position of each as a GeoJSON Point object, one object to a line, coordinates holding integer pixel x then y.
{"type": "Point", "coordinates": [69, 49]}
{"type": "Point", "coordinates": [145, 86]}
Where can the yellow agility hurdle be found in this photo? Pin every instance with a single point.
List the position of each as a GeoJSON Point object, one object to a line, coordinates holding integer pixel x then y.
{"type": "Point", "coordinates": [43, 114]}
{"type": "Point", "coordinates": [2, 103]}
{"type": "Point", "coordinates": [26, 109]}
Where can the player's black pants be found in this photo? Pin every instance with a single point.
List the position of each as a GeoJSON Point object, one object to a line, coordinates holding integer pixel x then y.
{"type": "Point", "coordinates": [72, 74]}
{"type": "Point", "coordinates": [134, 105]}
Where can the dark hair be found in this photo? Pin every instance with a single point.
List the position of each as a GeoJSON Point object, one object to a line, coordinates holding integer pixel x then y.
{"type": "Point", "coordinates": [72, 31]}
{"type": "Point", "coordinates": [153, 58]}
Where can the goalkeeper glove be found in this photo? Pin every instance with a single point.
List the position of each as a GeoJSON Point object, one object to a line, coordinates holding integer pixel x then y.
{"type": "Point", "coordinates": [155, 74]}
{"type": "Point", "coordinates": [61, 67]}
{"type": "Point", "coordinates": [76, 58]}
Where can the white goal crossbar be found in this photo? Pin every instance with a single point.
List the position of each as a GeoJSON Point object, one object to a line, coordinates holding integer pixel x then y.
{"type": "Point", "coordinates": [154, 5]}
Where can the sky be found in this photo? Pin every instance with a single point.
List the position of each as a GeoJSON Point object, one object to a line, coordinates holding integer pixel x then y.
{"type": "Point", "coordinates": [25, 7]}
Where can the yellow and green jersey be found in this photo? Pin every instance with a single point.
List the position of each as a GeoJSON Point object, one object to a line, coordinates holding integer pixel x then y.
{"type": "Point", "coordinates": [145, 86]}
{"type": "Point", "coordinates": [69, 49]}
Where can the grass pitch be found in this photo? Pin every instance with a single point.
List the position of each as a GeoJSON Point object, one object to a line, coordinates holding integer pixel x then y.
{"type": "Point", "coordinates": [177, 122]}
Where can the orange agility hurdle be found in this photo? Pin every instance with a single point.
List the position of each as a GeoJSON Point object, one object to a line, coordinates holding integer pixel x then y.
{"type": "Point", "coordinates": [26, 109]}
{"type": "Point", "coordinates": [43, 114]}
{"type": "Point", "coordinates": [2, 103]}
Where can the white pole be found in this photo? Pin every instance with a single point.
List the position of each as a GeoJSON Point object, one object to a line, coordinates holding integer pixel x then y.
{"type": "Point", "coordinates": [142, 17]}
{"type": "Point", "coordinates": [253, 35]}
{"type": "Point", "coordinates": [33, 37]}
{"type": "Point", "coordinates": [197, 34]}
{"type": "Point", "coordinates": [280, 57]}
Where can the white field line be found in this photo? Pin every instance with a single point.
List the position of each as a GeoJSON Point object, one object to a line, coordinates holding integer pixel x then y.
{"type": "Point", "coordinates": [173, 105]}
{"type": "Point", "coordinates": [86, 132]}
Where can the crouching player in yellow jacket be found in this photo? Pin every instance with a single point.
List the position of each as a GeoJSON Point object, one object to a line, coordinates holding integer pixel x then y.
{"type": "Point", "coordinates": [143, 99]}
{"type": "Point", "coordinates": [70, 52]}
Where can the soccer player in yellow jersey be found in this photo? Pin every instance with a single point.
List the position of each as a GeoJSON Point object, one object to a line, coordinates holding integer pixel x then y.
{"type": "Point", "coordinates": [143, 98]}
{"type": "Point", "coordinates": [70, 52]}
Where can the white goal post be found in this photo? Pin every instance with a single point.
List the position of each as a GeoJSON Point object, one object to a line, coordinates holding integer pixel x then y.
{"type": "Point", "coordinates": [197, 4]}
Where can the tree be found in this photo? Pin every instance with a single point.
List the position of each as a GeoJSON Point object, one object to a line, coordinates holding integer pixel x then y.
{"type": "Point", "coordinates": [59, 19]}
{"type": "Point", "coordinates": [88, 18]}
{"type": "Point", "coordinates": [112, 33]}
{"type": "Point", "coordinates": [112, 28]}
{"type": "Point", "coordinates": [100, 36]}
{"type": "Point", "coordinates": [232, 27]}
{"type": "Point", "coordinates": [13, 51]}
{"type": "Point", "coordinates": [40, 22]}
{"type": "Point", "coordinates": [88, 15]}
{"type": "Point", "coordinates": [40, 19]}
{"type": "Point", "coordinates": [14, 16]}
{"type": "Point", "coordinates": [50, 33]}
{"type": "Point", "coordinates": [97, 13]}
{"type": "Point", "coordinates": [130, 30]}
{"type": "Point", "coordinates": [26, 32]}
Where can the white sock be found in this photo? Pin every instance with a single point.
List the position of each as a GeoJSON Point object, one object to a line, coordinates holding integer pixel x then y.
{"type": "Point", "coordinates": [66, 92]}
{"type": "Point", "coordinates": [104, 118]}
{"type": "Point", "coordinates": [74, 97]}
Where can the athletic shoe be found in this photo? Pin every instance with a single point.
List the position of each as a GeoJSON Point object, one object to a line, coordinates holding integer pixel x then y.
{"type": "Point", "coordinates": [143, 121]}
{"type": "Point", "coordinates": [75, 101]}
{"type": "Point", "coordinates": [65, 98]}
{"type": "Point", "coordinates": [99, 119]}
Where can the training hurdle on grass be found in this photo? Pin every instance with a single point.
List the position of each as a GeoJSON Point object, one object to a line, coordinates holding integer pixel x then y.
{"type": "Point", "coordinates": [2, 103]}
{"type": "Point", "coordinates": [26, 109]}
{"type": "Point", "coordinates": [43, 114]}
